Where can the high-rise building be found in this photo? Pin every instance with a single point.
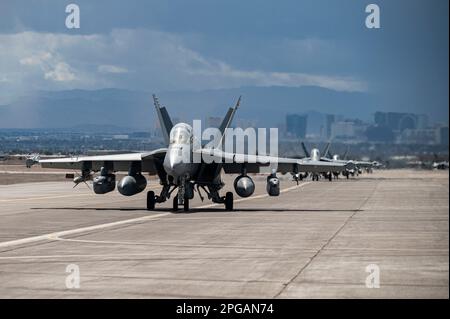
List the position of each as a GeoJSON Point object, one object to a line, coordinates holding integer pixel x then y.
{"type": "Point", "coordinates": [296, 125]}
{"type": "Point", "coordinates": [401, 121]}
{"type": "Point", "coordinates": [329, 120]}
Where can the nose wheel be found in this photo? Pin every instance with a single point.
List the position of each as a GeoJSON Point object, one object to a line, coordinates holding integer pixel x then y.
{"type": "Point", "coordinates": [176, 204]}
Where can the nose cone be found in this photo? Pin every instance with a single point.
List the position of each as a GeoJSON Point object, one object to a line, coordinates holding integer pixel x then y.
{"type": "Point", "coordinates": [173, 162]}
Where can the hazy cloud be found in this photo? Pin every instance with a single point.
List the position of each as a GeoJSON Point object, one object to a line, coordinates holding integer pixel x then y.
{"type": "Point", "coordinates": [61, 72]}
{"type": "Point", "coordinates": [111, 69]}
{"type": "Point", "coordinates": [140, 59]}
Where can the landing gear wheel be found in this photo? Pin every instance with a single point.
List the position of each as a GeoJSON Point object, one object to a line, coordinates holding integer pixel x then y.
{"type": "Point", "coordinates": [186, 204]}
{"type": "Point", "coordinates": [330, 177]}
{"type": "Point", "coordinates": [175, 203]}
{"type": "Point", "coordinates": [229, 201]}
{"type": "Point", "coordinates": [151, 200]}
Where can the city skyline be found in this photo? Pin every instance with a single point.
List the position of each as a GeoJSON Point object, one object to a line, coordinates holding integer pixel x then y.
{"type": "Point", "coordinates": [176, 47]}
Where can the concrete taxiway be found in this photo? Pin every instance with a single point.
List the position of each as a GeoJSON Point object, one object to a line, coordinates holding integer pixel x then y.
{"type": "Point", "coordinates": [316, 240]}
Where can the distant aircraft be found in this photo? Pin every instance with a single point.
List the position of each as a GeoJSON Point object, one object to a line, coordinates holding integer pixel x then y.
{"type": "Point", "coordinates": [32, 159]}
{"type": "Point", "coordinates": [176, 174]}
{"type": "Point", "coordinates": [315, 157]}
{"type": "Point", "coordinates": [439, 164]}
{"type": "Point", "coordinates": [352, 166]}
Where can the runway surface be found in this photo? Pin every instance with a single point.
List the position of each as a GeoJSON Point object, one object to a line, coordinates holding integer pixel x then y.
{"type": "Point", "coordinates": [314, 241]}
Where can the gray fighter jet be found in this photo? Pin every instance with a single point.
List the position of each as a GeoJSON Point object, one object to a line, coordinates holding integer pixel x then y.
{"type": "Point", "coordinates": [185, 176]}
{"type": "Point", "coordinates": [352, 166]}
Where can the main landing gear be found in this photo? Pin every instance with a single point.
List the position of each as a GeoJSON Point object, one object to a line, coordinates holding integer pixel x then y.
{"type": "Point", "coordinates": [229, 201]}
{"type": "Point", "coordinates": [186, 192]}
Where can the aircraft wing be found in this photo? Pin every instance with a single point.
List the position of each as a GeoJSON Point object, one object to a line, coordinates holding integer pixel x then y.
{"type": "Point", "coordinates": [121, 162]}
{"type": "Point", "coordinates": [363, 164]}
{"type": "Point", "coordinates": [233, 163]}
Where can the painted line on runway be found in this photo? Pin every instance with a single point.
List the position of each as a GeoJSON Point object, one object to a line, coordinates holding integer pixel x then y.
{"type": "Point", "coordinates": [57, 235]}
{"type": "Point", "coordinates": [53, 197]}
{"type": "Point", "coordinates": [75, 231]}
{"type": "Point", "coordinates": [257, 196]}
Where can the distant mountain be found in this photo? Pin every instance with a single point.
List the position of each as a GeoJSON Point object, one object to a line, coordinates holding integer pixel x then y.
{"type": "Point", "coordinates": [134, 109]}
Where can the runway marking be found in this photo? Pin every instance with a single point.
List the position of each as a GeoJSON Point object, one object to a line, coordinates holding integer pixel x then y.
{"type": "Point", "coordinates": [57, 235]}
{"type": "Point", "coordinates": [41, 197]}
{"type": "Point", "coordinates": [258, 196]}
{"type": "Point", "coordinates": [55, 196]}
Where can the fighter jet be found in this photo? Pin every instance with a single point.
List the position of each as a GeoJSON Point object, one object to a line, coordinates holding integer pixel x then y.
{"type": "Point", "coordinates": [352, 166]}
{"type": "Point", "coordinates": [315, 157]}
{"type": "Point", "coordinates": [175, 173]}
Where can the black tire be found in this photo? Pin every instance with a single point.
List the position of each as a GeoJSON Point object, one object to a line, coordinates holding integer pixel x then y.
{"type": "Point", "coordinates": [175, 203]}
{"type": "Point", "coordinates": [229, 201]}
{"type": "Point", "coordinates": [330, 177]}
{"type": "Point", "coordinates": [151, 200]}
{"type": "Point", "coordinates": [186, 204]}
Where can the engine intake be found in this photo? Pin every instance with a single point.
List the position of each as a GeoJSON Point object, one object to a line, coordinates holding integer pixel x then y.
{"type": "Point", "coordinates": [273, 185]}
{"type": "Point", "coordinates": [132, 184]}
{"type": "Point", "coordinates": [244, 186]}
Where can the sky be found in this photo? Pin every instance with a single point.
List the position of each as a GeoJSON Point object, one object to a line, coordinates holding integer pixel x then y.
{"type": "Point", "coordinates": [205, 44]}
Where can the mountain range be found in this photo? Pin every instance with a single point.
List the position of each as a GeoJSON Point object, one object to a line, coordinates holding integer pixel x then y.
{"type": "Point", "coordinates": [267, 106]}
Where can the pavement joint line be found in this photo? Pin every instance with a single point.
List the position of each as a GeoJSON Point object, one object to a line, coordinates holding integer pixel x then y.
{"type": "Point", "coordinates": [324, 246]}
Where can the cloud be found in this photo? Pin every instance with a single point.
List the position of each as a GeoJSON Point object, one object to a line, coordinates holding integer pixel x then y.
{"type": "Point", "coordinates": [51, 66]}
{"type": "Point", "coordinates": [104, 68]}
{"type": "Point", "coordinates": [60, 73]}
{"type": "Point", "coordinates": [37, 59]}
{"type": "Point", "coordinates": [141, 59]}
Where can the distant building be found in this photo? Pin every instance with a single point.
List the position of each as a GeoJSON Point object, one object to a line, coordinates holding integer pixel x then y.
{"type": "Point", "coordinates": [329, 120]}
{"type": "Point", "coordinates": [348, 129]}
{"type": "Point", "coordinates": [422, 121]}
{"type": "Point", "coordinates": [443, 135]}
{"type": "Point", "coordinates": [418, 136]}
{"type": "Point", "coordinates": [296, 125]}
{"type": "Point", "coordinates": [140, 135]}
{"type": "Point", "coordinates": [401, 121]}
{"type": "Point", "coordinates": [120, 137]}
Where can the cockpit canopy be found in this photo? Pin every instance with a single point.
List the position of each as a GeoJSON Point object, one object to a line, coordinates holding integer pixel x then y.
{"type": "Point", "coordinates": [315, 154]}
{"type": "Point", "coordinates": [180, 134]}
